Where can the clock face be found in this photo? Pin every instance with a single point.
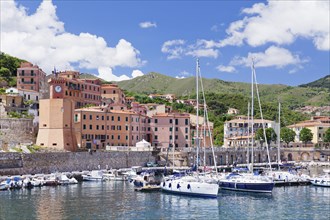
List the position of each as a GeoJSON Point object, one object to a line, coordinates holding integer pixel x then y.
{"type": "Point", "coordinates": [58, 88]}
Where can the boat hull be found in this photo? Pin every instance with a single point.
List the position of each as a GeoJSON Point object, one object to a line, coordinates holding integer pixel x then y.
{"type": "Point", "coordinates": [247, 187]}
{"type": "Point", "coordinates": [200, 189]}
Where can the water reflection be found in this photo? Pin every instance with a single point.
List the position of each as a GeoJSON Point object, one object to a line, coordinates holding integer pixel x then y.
{"type": "Point", "coordinates": [118, 200]}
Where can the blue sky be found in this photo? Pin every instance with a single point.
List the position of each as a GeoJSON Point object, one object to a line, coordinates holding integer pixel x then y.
{"type": "Point", "coordinates": [118, 40]}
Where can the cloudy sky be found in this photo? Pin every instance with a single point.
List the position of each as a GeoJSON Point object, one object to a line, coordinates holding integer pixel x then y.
{"type": "Point", "coordinates": [118, 40]}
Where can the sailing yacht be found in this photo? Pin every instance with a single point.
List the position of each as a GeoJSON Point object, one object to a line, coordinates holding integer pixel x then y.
{"type": "Point", "coordinates": [192, 185]}
{"type": "Point", "coordinates": [249, 182]}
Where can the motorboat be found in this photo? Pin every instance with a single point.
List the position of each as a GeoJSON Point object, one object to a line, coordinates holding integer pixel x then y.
{"type": "Point", "coordinates": [114, 175]}
{"type": "Point", "coordinates": [323, 180]}
{"type": "Point", "coordinates": [94, 175]}
{"type": "Point", "coordinates": [64, 180]}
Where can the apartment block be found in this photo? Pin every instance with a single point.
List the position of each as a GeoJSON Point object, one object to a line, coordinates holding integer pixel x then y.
{"type": "Point", "coordinates": [30, 77]}
{"type": "Point", "coordinates": [237, 132]}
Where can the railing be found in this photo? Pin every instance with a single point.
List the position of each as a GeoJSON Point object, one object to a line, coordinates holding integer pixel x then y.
{"type": "Point", "coordinates": [125, 148]}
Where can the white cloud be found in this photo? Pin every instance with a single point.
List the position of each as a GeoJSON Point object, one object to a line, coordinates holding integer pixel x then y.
{"type": "Point", "coordinates": [137, 73]}
{"type": "Point", "coordinates": [148, 24]}
{"type": "Point", "coordinates": [174, 48]}
{"type": "Point", "coordinates": [180, 77]}
{"type": "Point", "coordinates": [41, 38]}
{"type": "Point", "coordinates": [273, 56]}
{"type": "Point", "coordinates": [185, 73]}
{"type": "Point", "coordinates": [281, 22]}
{"type": "Point", "coordinates": [202, 48]}
{"type": "Point", "coordinates": [228, 69]}
{"type": "Point", "coordinates": [107, 74]}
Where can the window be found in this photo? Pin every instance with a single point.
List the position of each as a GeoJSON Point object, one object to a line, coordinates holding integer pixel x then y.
{"type": "Point", "coordinates": [156, 120]}
{"type": "Point", "coordinates": [102, 118]}
{"type": "Point", "coordinates": [112, 137]}
{"type": "Point", "coordinates": [186, 121]}
{"type": "Point", "coordinates": [186, 137]}
{"type": "Point", "coordinates": [75, 117]}
{"type": "Point", "coordinates": [102, 127]}
{"type": "Point", "coordinates": [118, 137]}
{"type": "Point", "coordinates": [112, 118]}
{"type": "Point", "coordinates": [126, 119]}
{"type": "Point", "coordinates": [126, 128]}
{"type": "Point", "coordinates": [176, 129]}
{"type": "Point", "coordinates": [97, 117]}
{"type": "Point", "coordinates": [90, 117]}
{"type": "Point", "coordinates": [156, 129]}
{"type": "Point", "coordinates": [176, 121]}
{"type": "Point", "coordinates": [176, 137]}
{"type": "Point", "coordinates": [186, 130]}
{"type": "Point", "coordinates": [170, 137]}
{"type": "Point", "coordinates": [171, 121]}
{"type": "Point", "coordinates": [84, 116]}
{"type": "Point", "coordinates": [90, 127]}
{"type": "Point", "coordinates": [156, 137]}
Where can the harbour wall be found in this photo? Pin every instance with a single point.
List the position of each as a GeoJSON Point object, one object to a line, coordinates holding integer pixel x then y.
{"type": "Point", "coordinates": [20, 163]}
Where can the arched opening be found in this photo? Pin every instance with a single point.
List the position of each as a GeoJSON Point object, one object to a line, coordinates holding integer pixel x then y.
{"type": "Point", "coordinates": [232, 159]}
{"type": "Point", "coordinates": [259, 158]}
{"type": "Point", "coordinates": [289, 157]}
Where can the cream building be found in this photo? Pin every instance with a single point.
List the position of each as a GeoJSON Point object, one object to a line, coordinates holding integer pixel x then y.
{"type": "Point", "coordinates": [318, 125]}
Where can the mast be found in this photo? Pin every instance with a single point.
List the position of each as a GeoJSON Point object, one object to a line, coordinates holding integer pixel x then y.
{"type": "Point", "coordinates": [204, 136]}
{"type": "Point", "coordinates": [279, 136]}
{"type": "Point", "coordinates": [248, 134]}
{"type": "Point", "coordinates": [197, 115]}
{"type": "Point", "coordinates": [173, 140]}
{"type": "Point", "coordinates": [252, 123]}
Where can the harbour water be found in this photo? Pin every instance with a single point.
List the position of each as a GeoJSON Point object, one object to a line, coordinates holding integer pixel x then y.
{"type": "Point", "coordinates": [118, 200]}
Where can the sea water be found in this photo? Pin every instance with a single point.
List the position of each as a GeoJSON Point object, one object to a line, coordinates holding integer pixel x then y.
{"type": "Point", "coordinates": [118, 200]}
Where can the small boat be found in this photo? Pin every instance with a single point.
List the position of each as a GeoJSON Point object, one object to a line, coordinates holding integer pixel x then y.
{"type": "Point", "coordinates": [51, 180]}
{"type": "Point", "coordinates": [145, 178]}
{"type": "Point", "coordinates": [94, 175]}
{"type": "Point", "coordinates": [148, 188]}
{"type": "Point", "coordinates": [322, 180]}
{"type": "Point", "coordinates": [4, 185]}
{"type": "Point", "coordinates": [64, 180]}
{"type": "Point", "coordinates": [114, 175]}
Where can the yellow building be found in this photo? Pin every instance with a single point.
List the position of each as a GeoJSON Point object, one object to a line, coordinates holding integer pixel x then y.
{"type": "Point", "coordinates": [318, 125]}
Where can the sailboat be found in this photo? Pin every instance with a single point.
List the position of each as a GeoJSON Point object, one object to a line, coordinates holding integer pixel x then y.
{"type": "Point", "coordinates": [249, 182]}
{"type": "Point", "coordinates": [285, 177]}
{"type": "Point", "coordinates": [192, 185]}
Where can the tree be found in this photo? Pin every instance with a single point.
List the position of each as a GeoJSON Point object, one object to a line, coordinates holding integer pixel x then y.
{"type": "Point", "coordinates": [305, 135]}
{"type": "Point", "coordinates": [287, 135]}
{"type": "Point", "coordinates": [270, 135]}
{"type": "Point", "coordinates": [327, 136]}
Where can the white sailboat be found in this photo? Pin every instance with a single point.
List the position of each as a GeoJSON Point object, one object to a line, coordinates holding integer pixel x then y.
{"type": "Point", "coordinates": [249, 182]}
{"type": "Point", "coordinates": [192, 185]}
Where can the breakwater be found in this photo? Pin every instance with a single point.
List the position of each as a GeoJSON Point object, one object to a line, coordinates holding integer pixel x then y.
{"type": "Point", "coordinates": [20, 163]}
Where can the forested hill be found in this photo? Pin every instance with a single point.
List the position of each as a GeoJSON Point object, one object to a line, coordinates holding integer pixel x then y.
{"type": "Point", "coordinates": [294, 96]}
{"type": "Point", "coordinates": [320, 83]}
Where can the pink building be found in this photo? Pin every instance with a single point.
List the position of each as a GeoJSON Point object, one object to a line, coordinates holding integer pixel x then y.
{"type": "Point", "coordinates": [170, 128]}
{"type": "Point", "coordinates": [30, 77]}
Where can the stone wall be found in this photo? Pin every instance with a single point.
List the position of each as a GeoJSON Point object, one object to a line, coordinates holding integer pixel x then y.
{"type": "Point", "coordinates": [14, 131]}
{"type": "Point", "coordinates": [18, 164]}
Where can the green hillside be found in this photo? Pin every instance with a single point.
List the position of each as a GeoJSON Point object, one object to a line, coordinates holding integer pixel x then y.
{"type": "Point", "coordinates": [293, 96]}
{"type": "Point", "coordinates": [8, 67]}
{"type": "Point", "coordinates": [320, 83]}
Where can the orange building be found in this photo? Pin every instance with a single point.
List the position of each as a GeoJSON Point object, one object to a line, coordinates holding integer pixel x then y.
{"type": "Point", "coordinates": [68, 85]}
{"type": "Point", "coordinates": [30, 77]}
{"type": "Point", "coordinates": [98, 127]}
{"type": "Point", "coordinates": [113, 92]}
{"type": "Point", "coordinates": [56, 124]}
